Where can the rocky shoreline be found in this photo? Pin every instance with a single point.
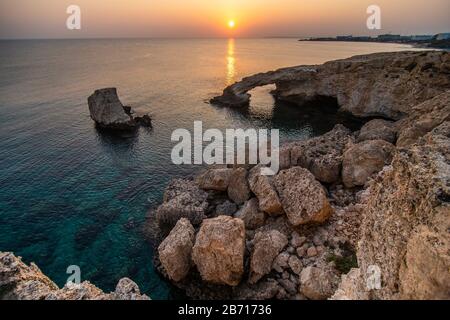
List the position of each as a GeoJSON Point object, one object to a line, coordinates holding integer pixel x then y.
{"type": "Point", "coordinates": [344, 204]}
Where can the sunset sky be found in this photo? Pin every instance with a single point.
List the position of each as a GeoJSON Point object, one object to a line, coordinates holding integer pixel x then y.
{"type": "Point", "coordinates": [210, 18]}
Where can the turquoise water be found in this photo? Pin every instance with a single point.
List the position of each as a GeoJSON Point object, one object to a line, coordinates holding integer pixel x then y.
{"type": "Point", "coordinates": [71, 195]}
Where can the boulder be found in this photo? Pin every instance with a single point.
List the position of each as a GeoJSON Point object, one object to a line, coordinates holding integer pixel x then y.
{"type": "Point", "coordinates": [215, 179]}
{"type": "Point", "coordinates": [364, 159]}
{"type": "Point", "coordinates": [108, 112]}
{"type": "Point", "coordinates": [176, 250]}
{"type": "Point", "coordinates": [226, 208]}
{"type": "Point", "coordinates": [378, 129]}
{"type": "Point", "coordinates": [251, 215]}
{"type": "Point", "coordinates": [266, 247]}
{"type": "Point", "coordinates": [318, 283]}
{"type": "Point", "coordinates": [238, 188]}
{"type": "Point", "coordinates": [127, 289]}
{"type": "Point", "coordinates": [219, 250]}
{"type": "Point", "coordinates": [182, 199]}
{"type": "Point", "coordinates": [302, 196]}
{"type": "Point", "coordinates": [322, 155]}
{"type": "Point", "coordinates": [262, 187]}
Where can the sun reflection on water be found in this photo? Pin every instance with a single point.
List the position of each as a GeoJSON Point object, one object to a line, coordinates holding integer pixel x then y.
{"type": "Point", "coordinates": [231, 63]}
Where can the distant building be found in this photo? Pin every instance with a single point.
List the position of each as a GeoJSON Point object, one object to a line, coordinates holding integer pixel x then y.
{"type": "Point", "coordinates": [442, 36]}
{"type": "Point", "coordinates": [389, 37]}
{"type": "Point", "coordinates": [421, 37]}
{"type": "Point", "coordinates": [344, 38]}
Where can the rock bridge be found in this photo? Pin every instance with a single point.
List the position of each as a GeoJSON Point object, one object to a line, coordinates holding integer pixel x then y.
{"type": "Point", "coordinates": [384, 85]}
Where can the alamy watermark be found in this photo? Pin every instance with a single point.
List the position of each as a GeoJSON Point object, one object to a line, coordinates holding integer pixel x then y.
{"type": "Point", "coordinates": [374, 20]}
{"type": "Point", "coordinates": [236, 146]}
{"type": "Point", "coordinates": [73, 22]}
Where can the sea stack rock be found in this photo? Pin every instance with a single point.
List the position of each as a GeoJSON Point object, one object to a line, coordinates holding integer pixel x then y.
{"type": "Point", "coordinates": [108, 112]}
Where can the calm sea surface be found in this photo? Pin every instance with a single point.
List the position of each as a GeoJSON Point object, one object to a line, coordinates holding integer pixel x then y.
{"type": "Point", "coordinates": [73, 196]}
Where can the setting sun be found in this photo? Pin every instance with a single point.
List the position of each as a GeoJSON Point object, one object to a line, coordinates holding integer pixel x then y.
{"type": "Point", "coordinates": [231, 24]}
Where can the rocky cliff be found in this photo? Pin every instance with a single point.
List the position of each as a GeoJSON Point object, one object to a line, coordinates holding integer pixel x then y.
{"type": "Point", "coordinates": [382, 84]}
{"type": "Point", "coordinates": [19, 281]}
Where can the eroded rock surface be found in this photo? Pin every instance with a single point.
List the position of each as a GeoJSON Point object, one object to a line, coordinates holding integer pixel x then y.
{"type": "Point", "coordinates": [303, 198]}
{"type": "Point", "coordinates": [322, 155]}
{"type": "Point", "coordinates": [364, 159]}
{"type": "Point", "coordinates": [262, 187]}
{"type": "Point", "coordinates": [378, 129]}
{"type": "Point", "coordinates": [406, 220]}
{"type": "Point", "coordinates": [182, 199]}
{"type": "Point", "coordinates": [267, 246]}
{"type": "Point", "coordinates": [219, 250]}
{"type": "Point", "coordinates": [19, 281]}
{"type": "Point", "coordinates": [175, 251]}
{"type": "Point", "coordinates": [108, 112]}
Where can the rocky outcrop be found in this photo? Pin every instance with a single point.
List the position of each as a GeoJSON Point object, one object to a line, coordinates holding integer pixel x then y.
{"type": "Point", "coordinates": [264, 190]}
{"type": "Point", "coordinates": [108, 112]}
{"type": "Point", "coordinates": [182, 199]}
{"type": "Point", "coordinates": [175, 251]}
{"type": "Point", "coordinates": [219, 250]}
{"type": "Point", "coordinates": [19, 281]}
{"type": "Point", "coordinates": [322, 156]}
{"type": "Point", "coordinates": [267, 246]}
{"type": "Point", "coordinates": [364, 159]}
{"type": "Point", "coordinates": [405, 225]}
{"type": "Point", "coordinates": [380, 84]}
{"type": "Point", "coordinates": [251, 215]}
{"type": "Point", "coordinates": [303, 198]}
{"type": "Point", "coordinates": [215, 179]}
{"type": "Point", "coordinates": [238, 188]}
{"type": "Point", "coordinates": [318, 283]}
{"type": "Point", "coordinates": [378, 129]}
{"type": "Point", "coordinates": [424, 118]}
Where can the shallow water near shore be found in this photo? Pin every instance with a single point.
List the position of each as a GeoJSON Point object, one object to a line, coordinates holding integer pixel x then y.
{"type": "Point", "coordinates": [71, 195]}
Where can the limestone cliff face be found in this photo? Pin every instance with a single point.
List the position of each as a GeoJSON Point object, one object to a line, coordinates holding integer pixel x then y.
{"type": "Point", "coordinates": [406, 222]}
{"type": "Point", "coordinates": [19, 281]}
{"type": "Point", "coordinates": [382, 84]}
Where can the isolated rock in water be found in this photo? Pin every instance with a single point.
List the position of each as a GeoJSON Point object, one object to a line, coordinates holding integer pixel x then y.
{"type": "Point", "coordinates": [424, 118]}
{"type": "Point", "coordinates": [378, 129]}
{"type": "Point", "coordinates": [405, 222]}
{"type": "Point", "coordinates": [144, 120]}
{"type": "Point", "coordinates": [108, 112]}
{"type": "Point", "coordinates": [262, 187]}
{"type": "Point", "coordinates": [219, 250]}
{"type": "Point", "coordinates": [251, 215]}
{"type": "Point", "coordinates": [363, 160]}
{"type": "Point", "coordinates": [215, 179]}
{"type": "Point", "coordinates": [302, 196]}
{"type": "Point", "coordinates": [318, 283]}
{"type": "Point", "coordinates": [182, 199]}
{"type": "Point", "coordinates": [175, 251]}
{"type": "Point", "coordinates": [322, 155]}
{"type": "Point", "coordinates": [19, 281]}
{"type": "Point", "coordinates": [238, 189]}
{"type": "Point", "coordinates": [266, 247]}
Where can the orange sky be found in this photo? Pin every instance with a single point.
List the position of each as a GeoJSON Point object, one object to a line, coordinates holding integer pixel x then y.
{"type": "Point", "coordinates": [209, 18]}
